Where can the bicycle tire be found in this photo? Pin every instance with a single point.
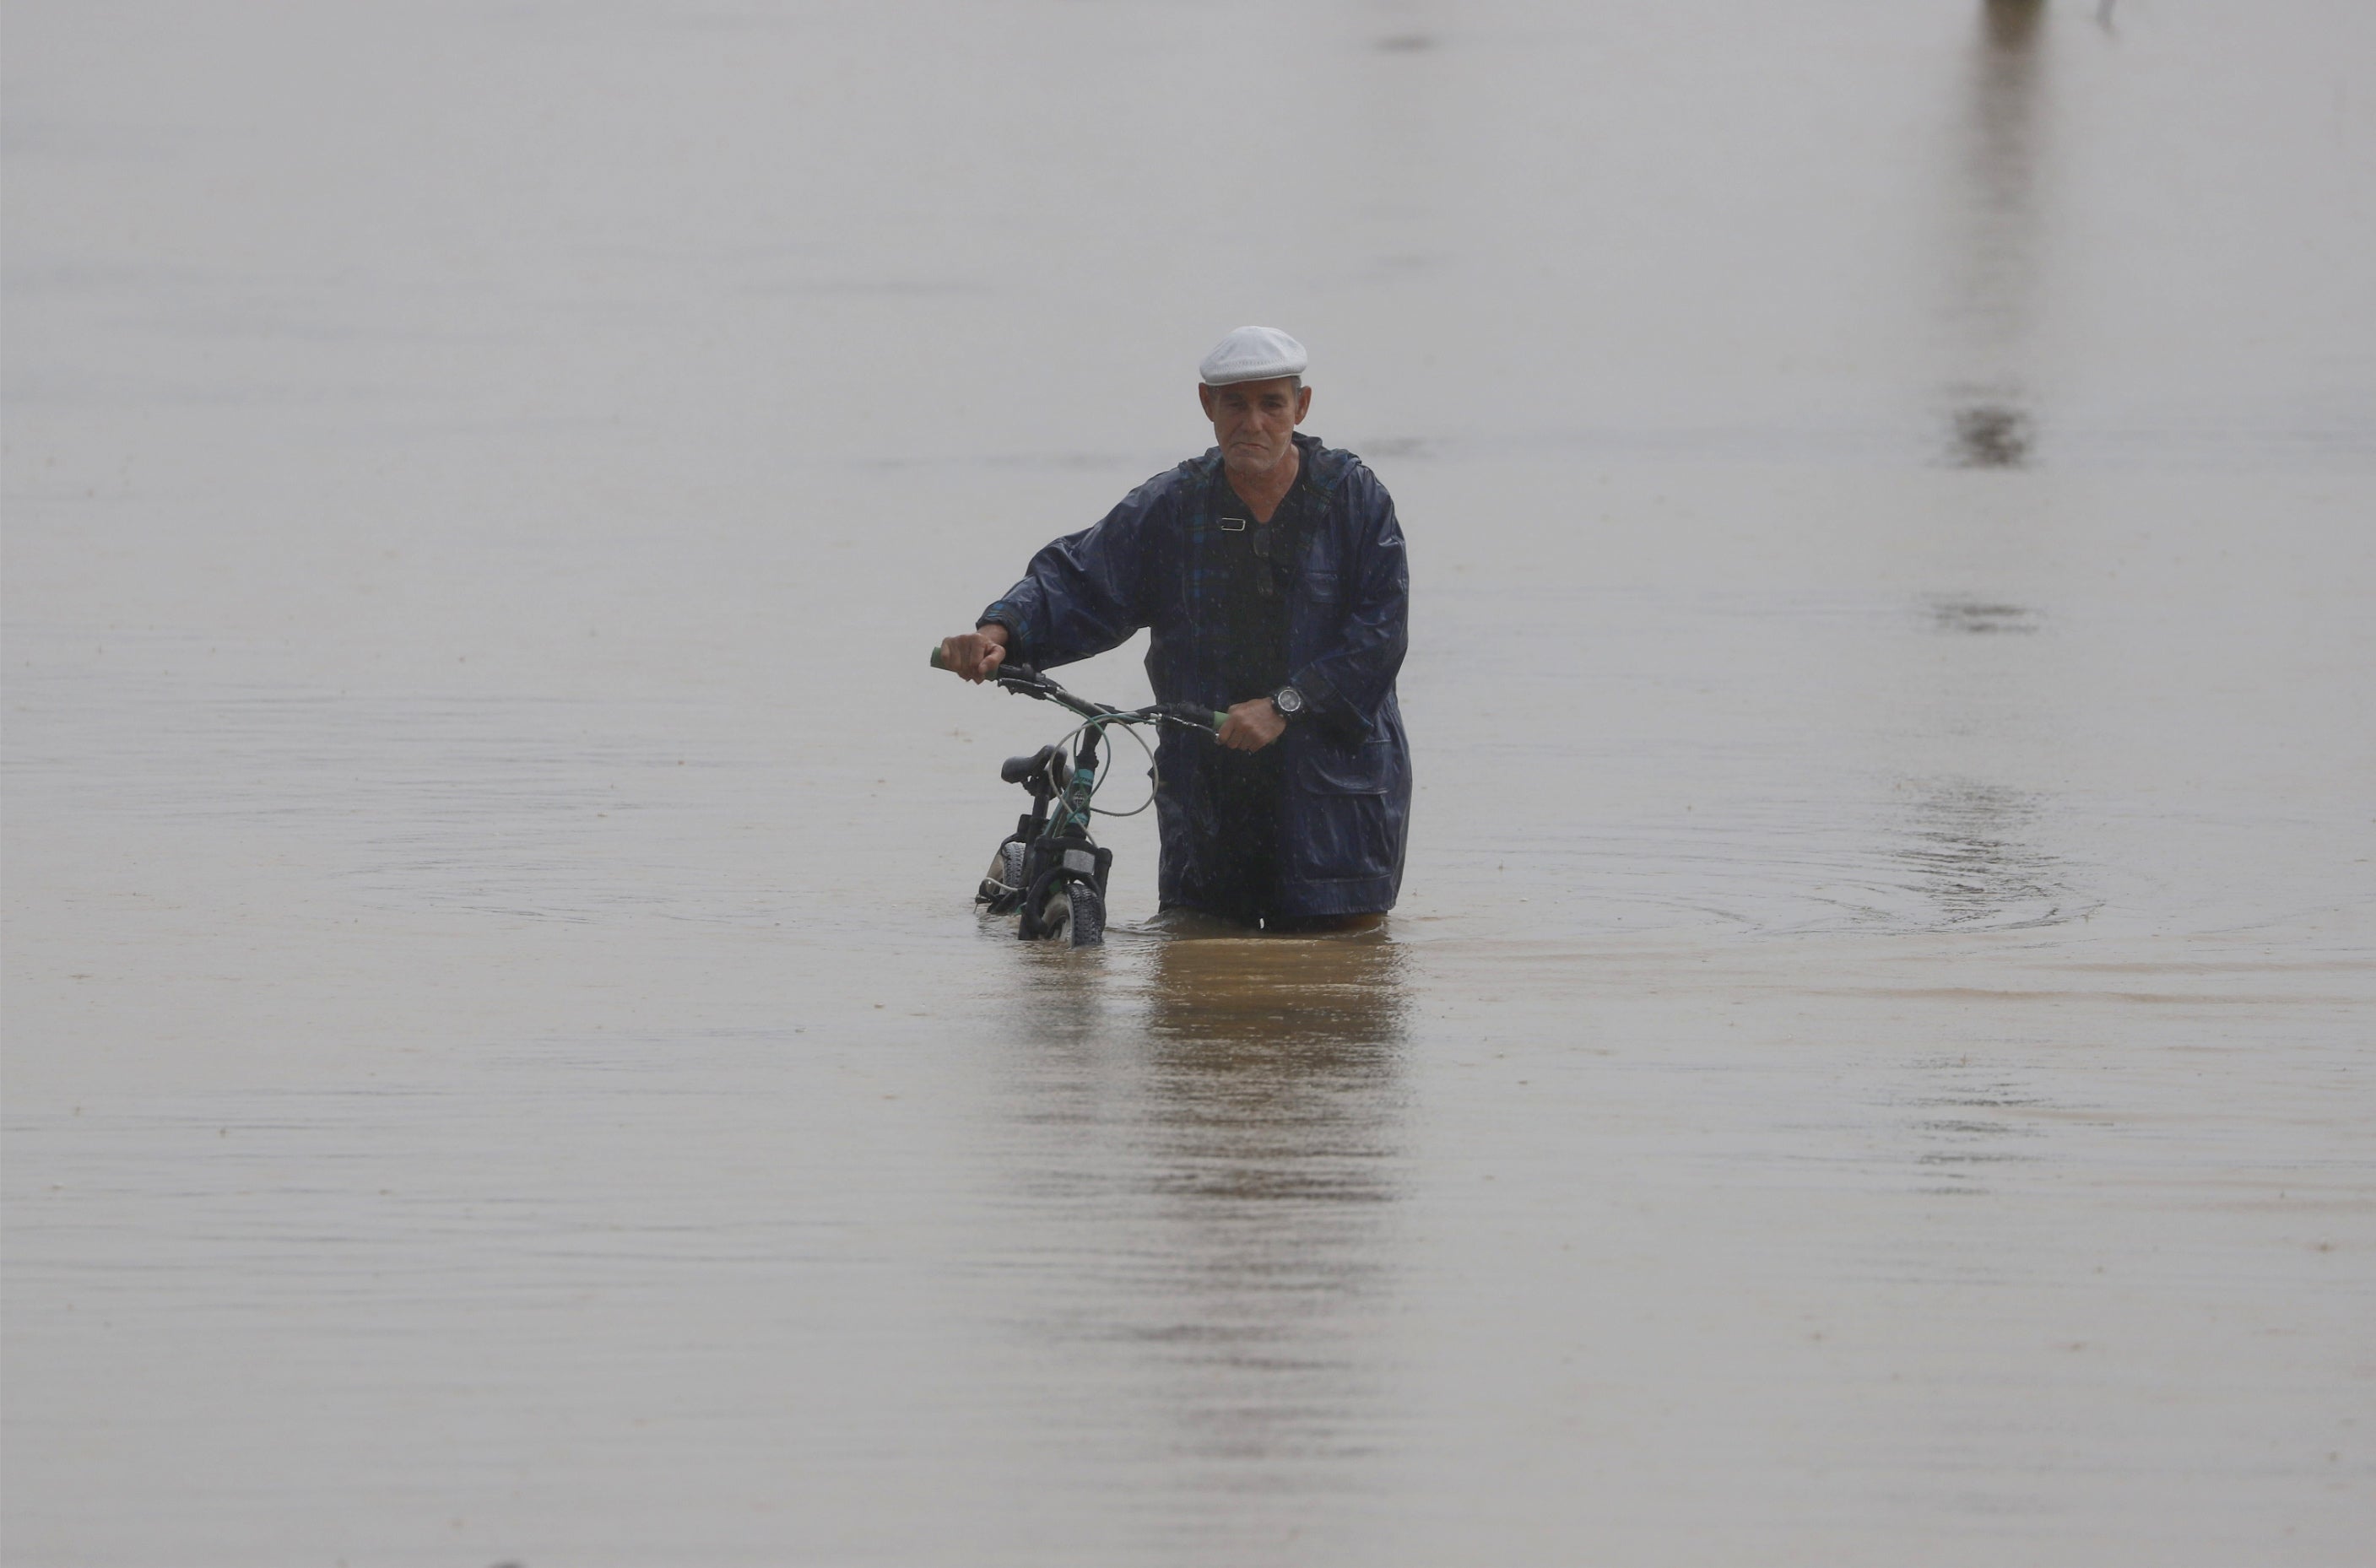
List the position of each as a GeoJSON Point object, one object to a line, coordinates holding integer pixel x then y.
{"type": "Point", "coordinates": [1001, 887]}
{"type": "Point", "coordinates": [1086, 915]}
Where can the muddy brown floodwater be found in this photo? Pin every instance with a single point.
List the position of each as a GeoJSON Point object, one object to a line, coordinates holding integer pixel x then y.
{"type": "Point", "coordinates": [1873, 1062]}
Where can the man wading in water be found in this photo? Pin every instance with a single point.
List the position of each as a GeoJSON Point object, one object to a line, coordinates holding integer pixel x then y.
{"type": "Point", "coordinates": [1270, 571]}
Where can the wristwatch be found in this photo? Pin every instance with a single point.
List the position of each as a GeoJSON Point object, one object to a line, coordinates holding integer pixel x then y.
{"type": "Point", "coordinates": [1288, 701]}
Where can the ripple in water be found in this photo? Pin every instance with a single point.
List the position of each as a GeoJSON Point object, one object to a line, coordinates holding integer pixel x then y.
{"type": "Point", "coordinates": [1973, 862]}
{"type": "Point", "coordinates": [1949, 855]}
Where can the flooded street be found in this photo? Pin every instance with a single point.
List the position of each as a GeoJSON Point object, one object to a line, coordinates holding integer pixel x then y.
{"type": "Point", "coordinates": [1872, 1062]}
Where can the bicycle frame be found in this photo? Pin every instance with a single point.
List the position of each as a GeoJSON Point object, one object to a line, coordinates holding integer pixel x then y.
{"type": "Point", "coordinates": [1050, 852]}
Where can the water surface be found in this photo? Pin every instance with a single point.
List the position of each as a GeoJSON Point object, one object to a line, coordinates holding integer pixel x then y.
{"type": "Point", "coordinates": [1872, 1058]}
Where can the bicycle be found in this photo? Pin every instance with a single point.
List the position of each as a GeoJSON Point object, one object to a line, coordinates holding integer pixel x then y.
{"type": "Point", "coordinates": [1049, 871]}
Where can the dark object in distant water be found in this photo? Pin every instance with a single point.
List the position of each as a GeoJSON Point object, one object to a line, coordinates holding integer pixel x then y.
{"type": "Point", "coordinates": [2012, 23]}
{"type": "Point", "coordinates": [1990, 435]}
{"type": "Point", "coordinates": [1977, 617]}
{"type": "Point", "coordinates": [1405, 43]}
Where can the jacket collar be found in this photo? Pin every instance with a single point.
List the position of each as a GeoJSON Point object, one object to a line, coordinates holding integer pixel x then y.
{"type": "Point", "coordinates": [1321, 467]}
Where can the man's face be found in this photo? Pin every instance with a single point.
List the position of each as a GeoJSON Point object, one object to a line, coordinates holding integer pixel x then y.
{"type": "Point", "coordinates": [1254, 422]}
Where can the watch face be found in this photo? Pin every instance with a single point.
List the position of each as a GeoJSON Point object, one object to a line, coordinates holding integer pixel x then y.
{"type": "Point", "coordinates": [1289, 700]}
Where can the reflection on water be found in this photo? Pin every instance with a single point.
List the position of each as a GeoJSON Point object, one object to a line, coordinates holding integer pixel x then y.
{"type": "Point", "coordinates": [1970, 858]}
{"type": "Point", "coordinates": [2005, 138]}
{"type": "Point", "coordinates": [1229, 1130]}
{"type": "Point", "coordinates": [1324, 995]}
{"type": "Point", "coordinates": [1969, 617]}
{"type": "Point", "coordinates": [1974, 1114]}
{"type": "Point", "coordinates": [1272, 1060]}
{"type": "Point", "coordinates": [1990, 435]}
{"type": "Point", "coordinates": [1272, 1123]}
{"type": "Point", "coordinates": [1995, 269]}
{"type": "Point", "coordinates": [2011, 25]}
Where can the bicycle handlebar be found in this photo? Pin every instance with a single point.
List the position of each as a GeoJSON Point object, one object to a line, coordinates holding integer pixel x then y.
{"type": "Point", "coordinates": [1022, 678]}
{"type": "Point", "coordinates": [1189, 713]}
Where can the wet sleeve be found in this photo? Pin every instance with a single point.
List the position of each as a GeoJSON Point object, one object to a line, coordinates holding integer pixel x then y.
{"type": "Point", "coordinates": [1348, 685]}
{"type": "Point", "coordinates": [1083, 594]}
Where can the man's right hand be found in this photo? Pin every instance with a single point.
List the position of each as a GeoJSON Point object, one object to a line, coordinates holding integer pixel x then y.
{"type": "Point", "coordinates": [976, 655]}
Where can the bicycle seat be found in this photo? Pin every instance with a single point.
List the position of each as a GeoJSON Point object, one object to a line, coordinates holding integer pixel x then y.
{"type": "Point", "coordinates": [1015, 769]}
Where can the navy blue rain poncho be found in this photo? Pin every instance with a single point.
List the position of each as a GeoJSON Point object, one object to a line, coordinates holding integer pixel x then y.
{"type": "Point", "coordinates": [1343, 773]}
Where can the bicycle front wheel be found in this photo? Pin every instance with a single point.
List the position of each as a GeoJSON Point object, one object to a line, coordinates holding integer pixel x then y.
{"type": "Point", "coordinates": [1086, 914]}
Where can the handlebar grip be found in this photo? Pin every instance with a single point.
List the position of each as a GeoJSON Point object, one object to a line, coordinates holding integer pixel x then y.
{"type": "Point", "coordinates": [1189, 713]}
{"type": "Point", "coordinates": [1008, 669]}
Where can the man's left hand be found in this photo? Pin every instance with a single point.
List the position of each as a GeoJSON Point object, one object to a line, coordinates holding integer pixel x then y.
{"type": "Point", "coordinates": [1251, 725]}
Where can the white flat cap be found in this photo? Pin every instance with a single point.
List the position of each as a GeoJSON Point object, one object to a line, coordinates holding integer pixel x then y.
{"type": "Point", "coordinates": [1253, 353]}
